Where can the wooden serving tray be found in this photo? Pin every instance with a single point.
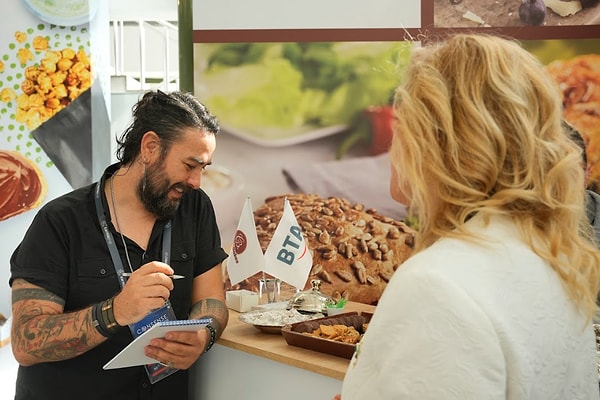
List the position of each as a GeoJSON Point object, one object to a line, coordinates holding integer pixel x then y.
{"type": "Point", "coordinates": [298, 334]}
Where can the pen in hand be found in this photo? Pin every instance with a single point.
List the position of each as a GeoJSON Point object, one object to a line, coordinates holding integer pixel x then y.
{"type": "Point", "coordinates": [175, 276]}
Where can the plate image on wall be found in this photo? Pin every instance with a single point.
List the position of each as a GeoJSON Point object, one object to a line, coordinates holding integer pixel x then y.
{"type": "Point", "coordinates": [63, 12]}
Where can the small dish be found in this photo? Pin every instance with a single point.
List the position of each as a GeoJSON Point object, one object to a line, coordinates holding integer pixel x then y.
{"type": "Point", "coordinates": [336, 307]}
{"type": "Point", "coordinates": [274, 330]}
{"type": "Point", "coordinates": [271, 321]}
{"type": "Point", "coordinates": [335, 310]}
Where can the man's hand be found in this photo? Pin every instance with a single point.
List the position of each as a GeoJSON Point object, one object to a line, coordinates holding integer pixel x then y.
{"type": "Point", "coordinates": [145, 290]}
{"type": "Point", "coordinates": [178, 349]}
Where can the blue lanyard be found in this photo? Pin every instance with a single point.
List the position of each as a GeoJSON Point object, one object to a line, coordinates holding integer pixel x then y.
{"type": "Point", "coordinates": [110, 242]}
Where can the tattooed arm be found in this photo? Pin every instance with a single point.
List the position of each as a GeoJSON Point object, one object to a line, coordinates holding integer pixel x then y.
{"type": "Point", "coordinates": [209, 300]}
{"type": "Point", "coordinates": [42, 332]}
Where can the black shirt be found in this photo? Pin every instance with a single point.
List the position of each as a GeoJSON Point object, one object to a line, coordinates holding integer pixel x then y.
{"type": "Point", "coordinates": [64, 252]}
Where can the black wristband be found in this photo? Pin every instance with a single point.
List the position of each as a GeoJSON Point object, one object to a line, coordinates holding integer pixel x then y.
{"type": "Point", "coordinates": [213, 337]}
{"type": "Point", "coordinates": [97, 320]}
{"type": "Point", "coordinates": [103, 318]}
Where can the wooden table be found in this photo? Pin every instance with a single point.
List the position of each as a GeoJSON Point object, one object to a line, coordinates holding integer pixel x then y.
{"type": "Point", "coordinates": [248, 363]}
{"type": "Point", "coordinates": [241, 336]}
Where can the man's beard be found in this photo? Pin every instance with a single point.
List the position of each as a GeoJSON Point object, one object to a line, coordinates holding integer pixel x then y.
{"type": "Point", "coordinates": [153, 190]}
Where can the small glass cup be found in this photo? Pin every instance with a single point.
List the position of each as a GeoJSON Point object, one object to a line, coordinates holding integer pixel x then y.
{"type": "Point", "coordinates": [271, 288]}
{"type": "Point", "coordinates": [335, 310]}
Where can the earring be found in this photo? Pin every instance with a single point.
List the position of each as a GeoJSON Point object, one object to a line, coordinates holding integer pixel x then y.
{"type": "Point", "coordinates": [144, 179]}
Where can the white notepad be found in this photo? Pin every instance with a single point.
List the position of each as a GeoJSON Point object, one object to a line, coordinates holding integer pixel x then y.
{"type": "Point", "coordinates": [133, 354]}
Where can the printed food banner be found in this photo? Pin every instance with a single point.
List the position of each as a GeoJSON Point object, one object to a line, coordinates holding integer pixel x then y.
{"type": "Point", "coordinates": [52, 87]}
{"type": "Point", "coordinates": [282, 77]}
{"type": "Point", "coordinates": [278, 94]}
{"type": "Point", "coordinates": [575, 66]}
{"type": "Point", "coordinates": [306, 86]}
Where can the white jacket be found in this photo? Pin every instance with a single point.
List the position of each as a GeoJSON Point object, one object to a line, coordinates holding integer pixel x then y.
{"type": "Point", "coordinates": [469, 321]}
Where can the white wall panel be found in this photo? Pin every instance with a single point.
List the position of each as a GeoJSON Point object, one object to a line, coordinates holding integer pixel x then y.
{"type": "Point", "coordinates": [306, 14]}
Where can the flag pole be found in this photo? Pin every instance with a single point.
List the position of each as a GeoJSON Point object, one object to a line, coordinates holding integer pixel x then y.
{"type": "Point", "coordinates": [264, 278]}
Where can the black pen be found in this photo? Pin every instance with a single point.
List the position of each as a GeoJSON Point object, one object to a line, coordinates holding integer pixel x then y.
{"type": "Point", "coordinates": [128, 274]}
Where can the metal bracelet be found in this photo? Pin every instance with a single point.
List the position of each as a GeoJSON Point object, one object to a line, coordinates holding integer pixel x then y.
{"type": "Point", "coordinates": [97, 320]}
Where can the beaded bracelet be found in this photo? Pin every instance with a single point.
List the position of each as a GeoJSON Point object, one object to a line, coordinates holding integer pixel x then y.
{"type": "Point", "coordinates": [213, 337]}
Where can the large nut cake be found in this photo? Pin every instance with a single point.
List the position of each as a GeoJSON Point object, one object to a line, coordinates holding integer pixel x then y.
{"type": "Point", "coordinates": [355, 250]}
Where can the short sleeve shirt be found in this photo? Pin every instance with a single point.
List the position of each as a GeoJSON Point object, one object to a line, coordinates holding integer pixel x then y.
{"type": "Point", "coordinates": [64, 252]}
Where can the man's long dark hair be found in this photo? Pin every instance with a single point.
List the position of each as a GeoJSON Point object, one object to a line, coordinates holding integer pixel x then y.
{"type": "Point", "coordinates": [167, 114]}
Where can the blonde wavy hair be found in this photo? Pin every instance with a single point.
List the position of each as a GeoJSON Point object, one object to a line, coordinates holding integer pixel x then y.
{"type": "Point", "coordinates": [478, 130]}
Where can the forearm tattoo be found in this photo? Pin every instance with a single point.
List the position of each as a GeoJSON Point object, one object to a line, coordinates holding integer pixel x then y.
{"type": "Point", "coordinates": [213, 308]}
{"type": "Point", "coordinates": [43, 331]}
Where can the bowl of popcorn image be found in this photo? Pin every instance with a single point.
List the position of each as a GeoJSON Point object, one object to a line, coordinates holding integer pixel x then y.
{"type": "Point", "coordinates": [50, 95]}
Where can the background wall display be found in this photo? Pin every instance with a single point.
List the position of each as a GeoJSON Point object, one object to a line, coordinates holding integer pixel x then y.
{"type": "Point", "coordinates": [53, 111]}
{"type": "Point", "coordinates": [308, 14]}
{"type": "Point", "coordinates": [277, 94]}
{"type": "Point", "coordinates": [508, 13]}
{"type": "Point", "coordinates": [270, 92]}
{"type": "Point", "coordinates": [291, 88]}
{"type": "Point", "coordinates": [279, 74]}
{"type": "Point", "coordinates": [338, 20]}
{"type": "Point", "coordinates": [575, 65]}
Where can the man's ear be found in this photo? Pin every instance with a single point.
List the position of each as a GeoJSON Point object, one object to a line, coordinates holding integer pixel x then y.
{"type": "Point", "coordinates": [149, 147]}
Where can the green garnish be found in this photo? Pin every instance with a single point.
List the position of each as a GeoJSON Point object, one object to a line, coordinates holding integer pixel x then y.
{"type": "Point", "coordinates": [336, 304]}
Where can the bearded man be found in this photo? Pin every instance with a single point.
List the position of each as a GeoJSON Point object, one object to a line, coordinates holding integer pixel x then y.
{"type": "Point", "coordinates": [99, 264]}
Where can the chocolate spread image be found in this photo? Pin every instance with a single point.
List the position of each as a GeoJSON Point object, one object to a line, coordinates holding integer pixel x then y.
{"type": "Point", "coordinates": [22, 185]}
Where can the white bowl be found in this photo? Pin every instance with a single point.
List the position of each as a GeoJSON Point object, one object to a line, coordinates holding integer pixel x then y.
{"type": "Point", "coordinates": [65, 12]}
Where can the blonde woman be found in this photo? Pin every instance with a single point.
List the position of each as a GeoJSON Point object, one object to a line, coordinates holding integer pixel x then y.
{"type": "Point", "coordinates": [498, 299]}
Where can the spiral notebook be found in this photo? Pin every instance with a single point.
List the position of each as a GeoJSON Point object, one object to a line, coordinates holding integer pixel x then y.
{"type": "Point", "coordinates": [133, 354]}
